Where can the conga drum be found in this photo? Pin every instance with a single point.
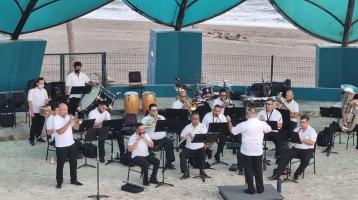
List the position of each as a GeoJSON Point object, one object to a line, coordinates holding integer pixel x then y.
{"type": "Point", "coordinates": [147, 99]}
{"type": "Point", "coordinates": [131, 104]}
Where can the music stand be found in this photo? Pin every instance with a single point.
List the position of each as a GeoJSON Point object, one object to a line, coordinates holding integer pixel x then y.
{"type": "Point", "coordinates": [115, 125]}
{"type": "Point", "coordinates": [85, 125]}
{"type": "Point", "coordinates": [265, 161]}
{"type": "Point", "coordinates": [163, 125]}
{"type": "Point", "coordinates": [98, 136]}
{"type": "Point", "coordinates": [219, 128]}
{"type": "Point", "coordinates": [81, 89]}
{"type": "Point", "coordinates": [331, 112]}
{"type": "Point", "coordinates": [236, 113]}
{"type": "Point", "coordinates": [178, 114]}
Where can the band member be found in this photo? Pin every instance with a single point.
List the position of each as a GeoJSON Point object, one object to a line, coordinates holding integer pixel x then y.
{"type": "Point", "coordinates": [36, 98]}
{"type": "Point", "coordinates": [65, 145]}
{"type": "Point", "coordinates": [222, 100]}
{"type": "Point", "coordinates": [49, 123]}
{"type": "Point", "coordinates": [190, 149]}
{"type": "Point", "coordinates": [138, 144]}
{"type": "Point", "coordinates": [180, 103]}
{"type": "Point", "coordinates": [252, 132]}
{"type": "Point", "coordinates": [159, 138]}
{"type": "Point", "coordinates": [294, 108]}
{"type": "Point", "coordinates": [213, 117]}
{"type": "Point", "coordinates": [100, 114]}
{"type": "Point", "coordinates": [75, 78]}
{"type": "Point", "coordinates": [302, 151]}
{"type": "Point", "coordinates": [271, 114]}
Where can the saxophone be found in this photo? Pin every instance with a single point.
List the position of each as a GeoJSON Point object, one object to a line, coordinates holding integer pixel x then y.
{"type": "Point", "coordinates": [349, 109]}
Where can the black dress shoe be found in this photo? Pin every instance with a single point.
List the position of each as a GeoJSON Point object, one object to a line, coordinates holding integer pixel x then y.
{"type": "Point", "coordinates": [217, 156]}
{"type": "Point", "coordinates": [241, 172]}
{"type": "Point", "coordinates": [154, 181]}
{"type": "Point", "coordinates": [295, 178]}
{"type": "Point", "coordinates": [185, 176]}
{"type": "Point", "coordinates": [101, 160]}
{"type": "Point", "coordinates": [76, 183]}
{"type": "Point", "coordinates": [146, 183]}
{"type": "Point", "coordinates": [41, 140]}
{"type": "Point", "coordinates": [249, 192]}
{"type": "Point", "coordinates": [58, 186]}
{"type": "Point", "coordinates": [272, 178]}
{"type": "Point", "coordinates": [209, 153]}
{"type": "Point", "coordinates": [259, 191]}
{"type": "Point", "coordinates": [170, 166]}
{"type": "Point", "coordinates": [32, 142]}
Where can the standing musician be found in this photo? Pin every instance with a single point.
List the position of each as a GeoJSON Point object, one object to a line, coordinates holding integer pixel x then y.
{"type": "Point", "coordinates": [213, 117]}
{"type": "Point", "coordinates": [100, 114]}
{"type": "Point", "coordinates": [252, 132]}
{"type": "Point", "coordinates": [138, 145]}
{"type": "Point", "coordinates": [303, 151]}
{"type": "Point", "coordinates": [223, 100]}
{"type": "Point", "coordinates": [197, 149]}
{"type": "Point", "coordinates": [36, 98]}
{"type": "Point", "coordinates": [271, 114]}
{"type": "Point", "coordinates": [49, 123]}
{"type": "Point", "coordinates": [75, 78]}
{"type": "Point", "coordinates": [159, 138]}
{"type": "Point", "coordinates": [180, 103]}
{"type": "Point", "coordinates": [65, 145]}
{"type": "Point", "coordinates": [293, 108]}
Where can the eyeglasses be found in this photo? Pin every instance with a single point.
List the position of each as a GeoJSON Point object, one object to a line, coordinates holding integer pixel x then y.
{"type": "Point", "coordinates": [154, 110]}
{"type": "Point", "coordinates": [302, 122]}
{"type": "Point", "coordinates": [269, 104]}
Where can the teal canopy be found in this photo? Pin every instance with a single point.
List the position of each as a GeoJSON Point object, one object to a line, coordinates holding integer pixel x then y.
{"type": "Point", "coordinates": [181, 13]}
{"type": "Point", "coordinates": [24, 16]}
{"type": "Point", "coordinates": [329, 20]}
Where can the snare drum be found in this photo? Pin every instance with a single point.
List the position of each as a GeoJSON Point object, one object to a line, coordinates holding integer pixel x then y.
{"type": "Point", "coordinates": [147, 99]}
{"type": "Point", "coordinates": [45, 111]}
{"type": "Point", "coordinates": [207, 91]}
{"type": "Point", "coordinates": [131, 104]}
{"type": "Point", "coordinates": [98, 93]}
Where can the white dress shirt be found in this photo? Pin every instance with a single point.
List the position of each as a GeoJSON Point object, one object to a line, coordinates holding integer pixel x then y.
{"type": "Point", "coordinates": [190, 129]}
{"type": "Point", "coordinates": [309, 133]}
{"type": "Point", "coordinates": [209, 118]}
{"type": "Point", "coordinates": [74, 80]}
{"type": "Point", "coordinates": [142, 146]}
{"type": "Point", "coordinates": [275, 115]}
{"type": "Point", "coordinates": [99, 117]}
{"type": "Point", "coordinates": [150, 130]}
{"type": "Point", "coordinates": [252, 132]}
{"type": "Point", "coordinates": [65, 139]}
{"type": "Point", "coordinates": [49, 126]}
{"type": "Point", "coordinates": [38, 98]}
{"type": "Point", "coordinates": [177, 104]}
{"type": "Point", "coordinates": [293, 106]}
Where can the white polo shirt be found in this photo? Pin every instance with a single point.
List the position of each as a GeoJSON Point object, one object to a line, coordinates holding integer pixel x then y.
{"type": "Point", "coordinates": [309, 133]}
{"type": "Point", "coordinates": [66, 139]}
{"type": "Point", "coordinates": [49, 126]}
{"type": "Point", "coordinates": [38, 98]}
{"type": "Point", "coordinates": [209, 118]}
{"type": "Point", "coordinates": [275, 115]}
{"type": "Point", "coordinates": [150, 130]}
{"type": "Point", "coordinates": [99, 117]}
{"type": "Point", "coordinates": [252, 132]}
{"type": "Point", "coordinates": [177, 104]}
{"type": "Point", "coordinates": [218, 101]}
{"type": "Point", "coordinates": [190, 129]}
{"type": "Point", "coordinates": [142, 146]}
{"type": "Point", "coordinates": [74, 80]}
{"type": "Point", "coordinates": [293, 106]}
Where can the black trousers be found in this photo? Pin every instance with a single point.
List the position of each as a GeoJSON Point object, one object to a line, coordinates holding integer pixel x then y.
{"type": "Point", "coordinates": [62, 153]}
{"type": "Point", "coordinates": [168, 146]}
{"type": "Point", "coordinates": [253, 167]}
{"type": "Point", "coordinates": [73, 105]}
{"type": "Point", "coordinates": [221, 143]}
{"type": "Point", "coordinates": [281, 144]}
{"type": "Point", "coordinates": [144, 163]}
{"type": "Point", "coordinates": [120, 139]}
{"type": "Point", "coordinates": [36, 126]}
{"type": "Point", "coordinates": [197, 154]}
{"type": "Point", "coordinates": [91, 133]}
{"type": "Point", "coordinates": [304, 155]}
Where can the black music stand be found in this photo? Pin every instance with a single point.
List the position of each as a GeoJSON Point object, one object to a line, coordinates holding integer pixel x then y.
{"type": "Point", "coordinates": [180, 116]}
{"type": "Point", "coordinates": [265, 161]}
{"type": "Point", "coordinates": [97, 136]}
{"type": "Point", "coordinates": [331, 112]}
{"type": "Point", "coordinates": [81, 89]}
{"type": "Point", "coordinates": [163, 125]}
{"type": "Point", "coordinates": [219, 128]}
{"type": "Point", "coordinates": [85, 125]}
{"type": "Point", "coordinates": [236, 113]}
{"type": "Point", "coordinates": [115, 125]}
{"type": "Point", "coordinates": [294, 138]}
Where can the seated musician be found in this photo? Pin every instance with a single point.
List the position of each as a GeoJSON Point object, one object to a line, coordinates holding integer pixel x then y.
{"type": "Point", "coordinates": [138, 145]}
{"type": "Point", "coordinates": [159, 138]}
{"type": "Point", "coordinates": [180, 103]}
{"type": "Point", "coordinates": [100, 114]}
{"type": "Point", "coordinates": [196, 149]}
{"type": "Point", "coordinates": [271, 114]}
{"type": "Point", "coordinates": [293, 108]}
{"type": "Point", "coordinates": [214, 117]}
{"type": "Point", "coordinates": [302, 151]}
{"type": "Point", "coordinates": [222, 100]}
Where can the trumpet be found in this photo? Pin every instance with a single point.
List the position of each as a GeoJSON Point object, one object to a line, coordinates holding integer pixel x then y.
{"type": "Point", "coordinates": [77, 120]}
{"type": "Point", "coordinates": [190, 104]}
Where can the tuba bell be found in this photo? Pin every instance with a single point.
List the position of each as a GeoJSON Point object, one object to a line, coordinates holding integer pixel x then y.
{"type": "Point", "coordinates": [349, 108]}
{"type": "Point", "coordinates": [283, 102]}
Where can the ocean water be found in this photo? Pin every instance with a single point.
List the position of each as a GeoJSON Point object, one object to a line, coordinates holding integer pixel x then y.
{"type": "Point", "coordinates": [250, 13]}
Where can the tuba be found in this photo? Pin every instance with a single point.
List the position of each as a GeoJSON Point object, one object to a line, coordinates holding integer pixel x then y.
{"type": "Point", "coordinates": [349, 109]}
{"type": "Point", "coordinates": [283, 102]}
